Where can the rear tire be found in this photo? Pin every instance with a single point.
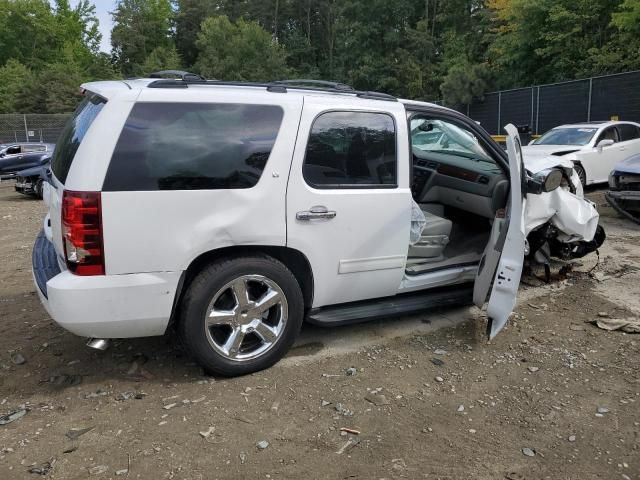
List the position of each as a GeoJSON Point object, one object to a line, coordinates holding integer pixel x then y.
{"type": "Point", "coordinates": [581, 174]}
{"type": "Point", "coordinates": [241, 315]}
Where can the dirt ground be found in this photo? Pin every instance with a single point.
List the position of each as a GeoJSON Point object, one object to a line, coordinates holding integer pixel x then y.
{"type": "Point", "coordinates": [552, 397]}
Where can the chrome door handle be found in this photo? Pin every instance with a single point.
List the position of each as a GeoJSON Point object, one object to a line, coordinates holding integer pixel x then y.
{"type": "Point", "coordinates": [314, 213]}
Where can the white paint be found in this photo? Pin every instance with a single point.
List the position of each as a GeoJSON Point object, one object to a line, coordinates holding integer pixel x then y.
{"type": "Point", "coordinates": [370, 222]}
{"type": "Point", "coordinates": [507, 261]}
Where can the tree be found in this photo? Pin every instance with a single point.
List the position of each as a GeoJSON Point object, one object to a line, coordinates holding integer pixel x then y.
{"type": "Point", "coordinates": [139, 26]}
{"type": "Point", "coordinates": [16, 78]}
{"type": "Point", "coordinates": [188, 18]}
{"type": "Point", "coordinates": [463, 83]}
{"type": "Point", "coordinates": [162, 58]}
{"type": "Point", "coordinates": [238, 51]}
{"type": "Point", "coordinates": [541, 41]}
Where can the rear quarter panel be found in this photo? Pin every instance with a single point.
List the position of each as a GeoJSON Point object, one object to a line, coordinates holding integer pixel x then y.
{"type": "Point", "coordinates": [151, 231]}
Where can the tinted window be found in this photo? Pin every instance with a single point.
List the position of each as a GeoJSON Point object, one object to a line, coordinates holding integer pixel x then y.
{"type": "Point", "coordinates": [628, 132]}
{"type": "Point", "coordinates": [193, 146]}
{"type": "Point", "coordinates": [73, 133]}
{"type": "Point", "coordinates": [351, 149]}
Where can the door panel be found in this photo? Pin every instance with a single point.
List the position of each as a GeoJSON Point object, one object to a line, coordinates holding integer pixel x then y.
{"type": "Point", "coordinates": [598, 163]}
{"type": "Point", "coordinates": [355, 236]}
{"type": "Point", "coordinates": [504, 255]}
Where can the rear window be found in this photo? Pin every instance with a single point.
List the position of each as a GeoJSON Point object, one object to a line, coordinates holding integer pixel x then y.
{"type": "Point", "coordinates": [73, 133]}
{"type": "Point", "coordinates": [193, 146]}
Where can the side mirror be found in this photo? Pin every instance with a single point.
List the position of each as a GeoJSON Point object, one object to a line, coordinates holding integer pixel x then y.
{"type": "Point", "coordinates": [604, 143]}
{"type": "Point", "coordinates": [544, 181]}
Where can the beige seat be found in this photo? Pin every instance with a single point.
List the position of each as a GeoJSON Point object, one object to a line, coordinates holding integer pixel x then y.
{"type": "Point", "coordinates": [434, 238]}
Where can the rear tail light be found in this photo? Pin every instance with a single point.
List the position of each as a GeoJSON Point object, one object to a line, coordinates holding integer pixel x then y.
{"type": "Point", "coordinates": [82, 232]}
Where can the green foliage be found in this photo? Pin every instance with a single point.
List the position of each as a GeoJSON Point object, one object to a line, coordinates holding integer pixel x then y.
{"type": "Point", "coordinates": [15, 78]}
{"type": "Point", "coordinates": [238, 50]}
{"type": "Point", "coordinates": [464, 82]}
{"type": "Point", "coordinates": [162, 58]}
{"type": "Point", "coordinates": [455, 50]}
{"type": "Point", "coordinates": [140, 26]}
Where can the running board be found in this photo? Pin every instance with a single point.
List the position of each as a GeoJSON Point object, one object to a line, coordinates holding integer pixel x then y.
{"type": "Point", "coordinates": [402, 304]}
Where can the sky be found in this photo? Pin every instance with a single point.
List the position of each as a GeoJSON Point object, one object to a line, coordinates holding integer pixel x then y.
{"type": "Point", "coordinates": [103, 7]}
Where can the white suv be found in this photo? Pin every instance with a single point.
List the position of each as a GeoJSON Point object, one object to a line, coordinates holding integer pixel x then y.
{"type": "Point", "coordinates": [236, 211]}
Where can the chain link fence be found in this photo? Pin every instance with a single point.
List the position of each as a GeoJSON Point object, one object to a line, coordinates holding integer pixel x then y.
{"type": "Point", "coordinates": [45, 128]}
{"type": "Point", "coordinates": [543, 107]}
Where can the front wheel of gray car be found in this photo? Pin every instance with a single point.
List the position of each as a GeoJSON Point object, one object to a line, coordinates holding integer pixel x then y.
{"type": "Point", "coordinates": [38, 188]}
{"type": "Point", "coordinates": [241, 315]}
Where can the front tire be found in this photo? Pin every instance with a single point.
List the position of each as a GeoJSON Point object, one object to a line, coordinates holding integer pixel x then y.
{"type": "Point", "coordinates": [241, 315]}
{"type": "Point", "coordinates": [581, 174]}
{"type": "Point", "coordinates": [37, 188]}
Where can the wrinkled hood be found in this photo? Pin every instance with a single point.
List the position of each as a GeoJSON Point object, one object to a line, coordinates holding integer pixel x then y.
{"type": "Point", "coordinates": [629, 165]}
{"type": "Point", "coordinates": [535, 164]}
{"type": "Point", "coordinates": [544, 150]}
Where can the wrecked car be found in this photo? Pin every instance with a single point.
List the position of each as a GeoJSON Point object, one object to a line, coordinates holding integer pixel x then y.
{"type": "Point", "coordinates": [289, 201]}
{"type": "Point", "coordinates": [31, 180]}
{"type": "Point", "coordinates": [593, 147]}
{"type": "Point", "coordinates": [624, 188]}
{"type": "Point", "coordinates": [19, 156]}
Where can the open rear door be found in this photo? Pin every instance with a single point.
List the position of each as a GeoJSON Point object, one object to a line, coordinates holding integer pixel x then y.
{"type": "Point", "coordinates": [501, 265]}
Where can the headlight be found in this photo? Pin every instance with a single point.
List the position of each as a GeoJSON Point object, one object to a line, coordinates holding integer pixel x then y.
{"type": "Point", "coordinates": [612, 181]}
{"type": "Point", "coordinates": [552, 180]}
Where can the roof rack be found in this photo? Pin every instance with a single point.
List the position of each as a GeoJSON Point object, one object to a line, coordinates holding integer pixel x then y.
{"type": "Point", "coordinates": [322, 84]}
{"type": "Point", "coordinates": [279, 86]}
{"type": "Point", "coordinates": [182, 75]}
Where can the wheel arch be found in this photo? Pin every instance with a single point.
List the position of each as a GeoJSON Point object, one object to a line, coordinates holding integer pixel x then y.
{"type": "Point", "coordinates": [293, 259]}
{"type": "Point", "coordinates": [586, 175]}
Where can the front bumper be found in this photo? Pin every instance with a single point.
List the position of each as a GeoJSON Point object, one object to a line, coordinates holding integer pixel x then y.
{"type": "Point", "coordinates": [625, 202]}
{"type": "Point", "coordinates": [24, 186]}
{"type": "Point", "coordinates": [105, 306]}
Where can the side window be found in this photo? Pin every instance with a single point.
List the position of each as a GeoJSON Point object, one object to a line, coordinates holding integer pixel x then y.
{"type": "Point", "coordinates": [609, 133]}
{"type": "Point", "coordinates": [351, 150]}
{"type": "Point", "coordinates": [628, 132]}
{"type": "Point", "coordinates": [13, 150]}
{"type": "Point", "coordinates": [34, 148]}
{"type": "Point", "coordinates": [193, 146]}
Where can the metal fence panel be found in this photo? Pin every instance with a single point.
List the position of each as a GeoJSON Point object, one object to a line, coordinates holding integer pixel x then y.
{"type": "Point", "coordinates": [616, 95]}
{"type": "Point", "coordinates": [486, 112]}
{"type": "Point", "coordinates": [543, 107]}
{"type": "Point", "coordinates": [562, 103]}
{"type": "Point", "coordinates": [517, 107]}
{"type": "Point", "coordinates": [31, 127]}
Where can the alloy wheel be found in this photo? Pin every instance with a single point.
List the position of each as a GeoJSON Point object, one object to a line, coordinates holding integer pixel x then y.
{"type": "Point", "coordinates": [246, 317]}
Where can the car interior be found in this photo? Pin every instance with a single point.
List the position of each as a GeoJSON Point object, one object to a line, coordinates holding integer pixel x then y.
{"type": "Point", "coordinates": [458, 187]}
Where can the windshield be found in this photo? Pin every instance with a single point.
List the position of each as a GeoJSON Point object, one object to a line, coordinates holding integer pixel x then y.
{"type": "Point", "coordinates": [443, 137]}
{"type": "Point", "coordinates": [567, 136]}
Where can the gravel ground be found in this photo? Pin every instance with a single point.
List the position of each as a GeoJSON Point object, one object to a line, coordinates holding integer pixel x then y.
{"type": "Point", "coordinates": [552, 397]}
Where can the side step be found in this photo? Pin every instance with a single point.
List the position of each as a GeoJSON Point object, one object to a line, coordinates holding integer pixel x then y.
{"type": "Point", "coordinates": [402, 304]}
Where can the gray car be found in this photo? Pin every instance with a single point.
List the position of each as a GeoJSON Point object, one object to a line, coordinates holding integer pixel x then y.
{"type": "Point", "coordinates": [18, 156]}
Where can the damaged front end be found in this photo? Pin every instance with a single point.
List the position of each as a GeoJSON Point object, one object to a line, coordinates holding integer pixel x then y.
{"type": "Point", "coordinates": [624, 188]}
{"type": "Point", "coordinates": [560, 223]}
